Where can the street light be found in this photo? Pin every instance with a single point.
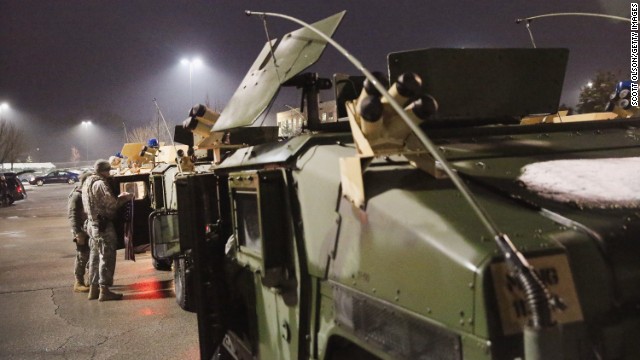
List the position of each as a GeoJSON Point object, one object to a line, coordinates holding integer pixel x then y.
{"type": "Point", "coordinates": [86, 124]}
{"type": "Point", "coordinates": [191, 62]}
{"type": "Point", "coordinates": [3, 106]}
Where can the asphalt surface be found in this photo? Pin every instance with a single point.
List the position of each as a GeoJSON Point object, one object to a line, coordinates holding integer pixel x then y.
{"type": "Point", "coordinates": [42, 318]}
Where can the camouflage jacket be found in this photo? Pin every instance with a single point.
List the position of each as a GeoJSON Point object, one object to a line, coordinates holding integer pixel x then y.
{"type": "Point", "coordinates": [75, 211]}
{"type": "Point", "coordinates": [98, 199]}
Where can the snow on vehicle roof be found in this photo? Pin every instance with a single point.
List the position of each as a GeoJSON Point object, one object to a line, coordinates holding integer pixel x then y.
{"type": "Point", "coordinates": [591, 183]}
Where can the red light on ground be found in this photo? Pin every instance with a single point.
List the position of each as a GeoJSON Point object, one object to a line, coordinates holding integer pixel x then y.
{"type": "Point", "coordinates": [146, 312]}
{"type": "Point", "coordinates": [152, 289]}
{"type": "Point", "coordinates": [152, 285]}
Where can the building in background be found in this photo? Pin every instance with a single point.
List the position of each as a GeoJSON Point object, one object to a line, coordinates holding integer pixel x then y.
{"type": "Point", "coordinates": [291, 122]}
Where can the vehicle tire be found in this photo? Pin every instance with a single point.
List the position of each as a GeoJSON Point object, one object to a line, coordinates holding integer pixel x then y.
{"type": "Point", "coordinates": [39, 182]}
{"type": "Point", "coordinates": [162, 265]}
{"type": "Point", "coordinates": [183, 285]}
{"type": "Point", "coordinates": [6, 200]}
{"type": "Point", "coordinates": [71, 181]}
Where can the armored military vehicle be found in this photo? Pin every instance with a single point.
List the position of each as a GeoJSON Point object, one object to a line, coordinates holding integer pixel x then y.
{"type": "Point", "coordinates": [366, 238]}
{"type": "Point", "coordinates": [168, 175]}
{"type": "Point", "coordinates": [136, 171]}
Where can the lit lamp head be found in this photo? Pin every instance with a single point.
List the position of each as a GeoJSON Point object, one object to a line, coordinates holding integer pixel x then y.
{"type": "Point", "coordinates": [193, 62]}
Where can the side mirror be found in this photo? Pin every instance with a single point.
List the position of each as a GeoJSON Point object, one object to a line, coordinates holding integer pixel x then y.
{"type": "Point", "coordinates": [165, 235]}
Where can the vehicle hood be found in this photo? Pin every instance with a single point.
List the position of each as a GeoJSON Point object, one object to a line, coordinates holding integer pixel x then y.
{"type": "Point", "coordinates": [590, 171]}
{"type": "Point", "coordinates": [582, 177]}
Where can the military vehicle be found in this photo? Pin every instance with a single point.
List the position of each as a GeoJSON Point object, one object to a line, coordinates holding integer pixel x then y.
{"type": "Point", "coordinates": [168, 175]}
{"type": "Point", "coordinates": [365, 238]}
{"type": "Point", "coordinates": [134, 171]}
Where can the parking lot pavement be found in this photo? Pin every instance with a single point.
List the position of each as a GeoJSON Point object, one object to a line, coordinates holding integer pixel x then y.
{"type": "Point", "coordinates": [42, 318]}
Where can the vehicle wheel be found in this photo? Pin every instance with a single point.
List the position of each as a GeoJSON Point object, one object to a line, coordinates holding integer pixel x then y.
{"type": "Point", "coordinates": [71, 181]}
{"type": "Point", "coordinates": [162, 265]}
{"type": "Point", "coordinates": [6, 200]}
{"type": "Point", "coordinates": [183, 285]}
{"type": "Point", "coordinates": [39, 182]}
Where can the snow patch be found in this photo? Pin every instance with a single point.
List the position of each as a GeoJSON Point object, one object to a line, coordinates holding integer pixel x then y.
{"type": "Point", "coordinates": [591, 183]}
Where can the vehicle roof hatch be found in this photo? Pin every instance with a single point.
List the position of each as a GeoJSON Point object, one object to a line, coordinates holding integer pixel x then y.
{"type": "Point", "coordinates": [487, 83]}
{"type": "Point", "coordinates": [295, 52]}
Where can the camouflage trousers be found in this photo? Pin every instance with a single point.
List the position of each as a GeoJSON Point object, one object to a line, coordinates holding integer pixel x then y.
{"type": "Point", "coordinates": [82, 258]}
{"type": "Point", "coordinates": [102, 257]}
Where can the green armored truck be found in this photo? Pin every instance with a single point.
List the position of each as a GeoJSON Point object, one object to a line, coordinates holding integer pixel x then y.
{"type": "Point", "coordinates": [442, 230]}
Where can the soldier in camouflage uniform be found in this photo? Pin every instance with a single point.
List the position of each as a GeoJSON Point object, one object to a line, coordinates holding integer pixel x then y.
{"type": "Point", "coordinates": [101, 206]}
{"type": "Point", "coordinates": [77, 218]}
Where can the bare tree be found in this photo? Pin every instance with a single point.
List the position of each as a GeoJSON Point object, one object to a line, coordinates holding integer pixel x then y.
{"type": "Point", "coordinates": [217, 106]}
{"type": "Point", "coordinates": [75, 155]}
{"type": "Point", "coordinates": [143, 133]}
{"type": "Point", "coordinates": [13, 143]}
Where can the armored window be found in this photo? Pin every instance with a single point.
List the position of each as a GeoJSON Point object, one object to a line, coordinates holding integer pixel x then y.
{"type": "Point", "coordinates": [248, 222]}
{"type": "Point", "coordinates": [261, 222]}
{"type": "Point", "coordinates": [137, 188]}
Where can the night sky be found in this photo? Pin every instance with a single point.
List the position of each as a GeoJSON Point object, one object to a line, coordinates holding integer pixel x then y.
{"type": "Point", "coordinates": [65, 61]}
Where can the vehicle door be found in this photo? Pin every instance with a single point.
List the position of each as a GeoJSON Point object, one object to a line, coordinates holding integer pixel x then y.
{"type": "Point", "coordinates": [62, 177]}
{"type": "Point", "coordinates": [163, 221]}
{"type": "Point", "coordinates": [264, 244]}
{"type": "Point", "coordinates": [138, 185]}
{"type": "Point", "coordinates": [50, 177]}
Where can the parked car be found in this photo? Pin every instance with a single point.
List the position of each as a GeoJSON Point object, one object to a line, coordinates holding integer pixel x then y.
{"type": "Point", "coordinates": [30, 177]}
{"type": "Point", "coordinates": [26, 175]}
{"type": "Point", "coordinates": [56, 176]}
{"type": "Point", "coordinates": [16, 189]}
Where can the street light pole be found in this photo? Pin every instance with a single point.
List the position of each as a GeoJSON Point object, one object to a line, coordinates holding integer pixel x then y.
{"type": "Point", "coordinates": [191, 81]}
{"type": "Point", "coordinates": [191, 63]}
{"type": "Point", "coordinates": [86, 126]}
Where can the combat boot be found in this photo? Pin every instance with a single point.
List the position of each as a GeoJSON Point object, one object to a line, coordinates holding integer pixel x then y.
{"type": "Point", "coordinates": [80, 287]}
{"type": "Point", "coordinates": [94, 291]}
{"type": "Point", "coordinates": [106, 294]}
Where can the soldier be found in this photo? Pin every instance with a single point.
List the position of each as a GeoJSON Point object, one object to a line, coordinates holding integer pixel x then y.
{"type": "Point", "coordinates": [4, 191]}
{"type": "Point", "coordinates": [77, 218]}
{"type": "Point", "coordinates": [101, 206]}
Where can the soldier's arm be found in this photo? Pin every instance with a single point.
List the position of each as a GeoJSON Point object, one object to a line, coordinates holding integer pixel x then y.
{"type": "Point", "coordinates": [105, 199]}
{"type": "Point", "coordinates": [76, 216]}
{"type": "Point", "coordinates": [123, 198]}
